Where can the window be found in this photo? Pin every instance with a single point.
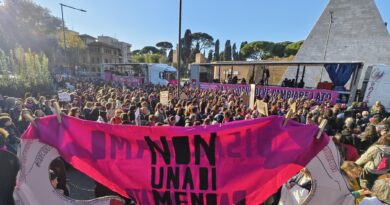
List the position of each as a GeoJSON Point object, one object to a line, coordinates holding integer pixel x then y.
{"type": "Point", "coordinates": [107, 51]}
{"type": "Point", "coordinates": [229, 72]}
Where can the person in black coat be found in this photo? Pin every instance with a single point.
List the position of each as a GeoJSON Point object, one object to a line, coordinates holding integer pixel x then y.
{"type": "Point", "coordinates": [9, 169]}
{"type": "Point", "coordinates": [95, 113]}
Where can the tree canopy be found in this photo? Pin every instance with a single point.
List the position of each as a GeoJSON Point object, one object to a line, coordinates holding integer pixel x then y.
{"type": "Point", "coordinates": [227, 54]}
{"type": "Point", "coordinates": [72, 40]}
{"type": "Point", "coordinates": [292, 49]}
{"type": "Point", "coordinates": [257, 50]}
{"type": "Point", "coordinates": [149, 50]}
{"type": "Point", "coordinates": [204, 40]}
{"type": "Point", "coordinates": [260, 50]}
{"type": "Point", "coordinates": [186, 47]}
{"type": "Point", "coordinates": [26, 24]}
{"type": "Point", "coordinates": [164, 46]}
{"type": "Point", "coordinates": [216, 51]}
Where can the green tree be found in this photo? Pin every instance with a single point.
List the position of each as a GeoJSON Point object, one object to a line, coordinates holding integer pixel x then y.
{"type": "Point", "coordinates": [170, 56]}
{"type": "Point", "coordinates": [136, 52]}
{"type": "Point", "coordinates": [194, 51]}
{"type": "Point", "coordinates": [204, 40]}
{"type": "Point", "coordinates": [31, 73]}
{"type": "Point", "coordinates": [149, 50]}
{"type": "Point", "coordinates": [186, 50]}
{"type": "Point", "coordinates": [138, 58]}
{"type": "Point", "coordinates": [74, 46]}
{"type": "Point", "coordinates": [28, 25]}
{"type": "Point", "coordinates": [216, 51]}
{"type": "Point", "coordinates": [234, 52]}
{"type": "Point", "coordinates": [241, 56]}
{"type": "Point", "coordinates": [210, 55]}
{"type": "Point", "coordinates": [257, 50]}
{"type": "Point", "coordinates": [72, 40]}
{"type": "Point", "coordinates": [147, 58]}
{"type": "Point", "coordinates": [164, 46]}
{"type": "Point", "coordinates": [292, 49]}
{"type": "Point", "coordinates": [152, 58]}
{"type": "Point", "coordinates": [4, 62]}
{"type": "Point", "coordinates": [277, 49]}
{"type": "Point", "coordinates": [228, 51]}
{"type": "Point", "coordinates": [222, 56]}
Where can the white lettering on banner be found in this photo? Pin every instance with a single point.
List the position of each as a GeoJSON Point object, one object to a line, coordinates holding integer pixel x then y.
{"type": "Point", "coordinates": [262, 91]}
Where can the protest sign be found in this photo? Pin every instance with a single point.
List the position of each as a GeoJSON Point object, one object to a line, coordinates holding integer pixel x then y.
{"type": "Point", "coordinates": [183, 96]}
{"type": "Point", "coordinates": [64, 97]}
{"type": "Point", "coordinates": [294, 107]}
{"type": "Point", "coordinates": [252, 96]}
{"type": "Point", "coordinates": [164, 97]}
{"type": "Point", "coordinates": [174, 164]}
{"type": "Point", "coordinates": [262, 107]}
{"type": "Point", "coordinates": [245, 99]}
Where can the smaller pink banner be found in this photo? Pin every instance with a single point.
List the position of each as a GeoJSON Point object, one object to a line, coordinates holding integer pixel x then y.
{"type": "Point", "coordinates": [295, 93]}
{"type": "Point", "coordinates": [128, 80]}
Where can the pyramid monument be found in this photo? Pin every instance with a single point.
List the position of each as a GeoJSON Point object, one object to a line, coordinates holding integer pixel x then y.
{"type": "Point", "coordinates": [347, 30]}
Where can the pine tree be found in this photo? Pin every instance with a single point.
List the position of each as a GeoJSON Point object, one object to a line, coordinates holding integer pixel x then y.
{"type": "Point", "coordinates": [241, 56]}
{"type": "Point", "coordinates": [170, 56]}
{"type": "Point", "coordinates": [234, 52]}
{"type": "Point", "coordinates": [216, 51]}
{"type": "Point", "coordinates": [210, 55]}
{"type": "Point", "coordinates": [186, 46]}
{"type": "Point", "coordinates": [228, 51]}
{"type": "Point", "coordinates": [194, 51]}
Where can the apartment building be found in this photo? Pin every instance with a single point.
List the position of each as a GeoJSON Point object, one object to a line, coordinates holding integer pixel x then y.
{"type": "Point", "coordinates": [103, 50]}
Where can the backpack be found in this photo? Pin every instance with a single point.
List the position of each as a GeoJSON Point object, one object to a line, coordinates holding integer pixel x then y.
{"type": "Point", "coordinates": [382, 160]}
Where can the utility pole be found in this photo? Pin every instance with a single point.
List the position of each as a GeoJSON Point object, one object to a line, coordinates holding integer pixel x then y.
{"type": "Point", "coordinates": [63, 25]}
{"type": "Point", "coordinates": [179, 51]}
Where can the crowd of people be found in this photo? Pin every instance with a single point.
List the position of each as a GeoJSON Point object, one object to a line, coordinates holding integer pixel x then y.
{"type": "Point", "coordinates": [360, 132]}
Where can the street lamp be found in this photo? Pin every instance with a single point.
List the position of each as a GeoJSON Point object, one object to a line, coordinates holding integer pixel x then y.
{"type": "Point", "coordinates": [179, 52]}
{"type": "Point", "coordinates": [63, 22]}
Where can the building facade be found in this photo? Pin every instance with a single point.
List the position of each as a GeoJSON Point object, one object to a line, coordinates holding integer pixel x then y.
{"type": "Point", "coordinates": [103, 50]}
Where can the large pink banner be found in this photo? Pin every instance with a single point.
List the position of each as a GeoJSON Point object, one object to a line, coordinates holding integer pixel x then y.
{"type": "Point", "coordinates": [236, 163]}
{"type": "Point", "coordinates": [316, 94]}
